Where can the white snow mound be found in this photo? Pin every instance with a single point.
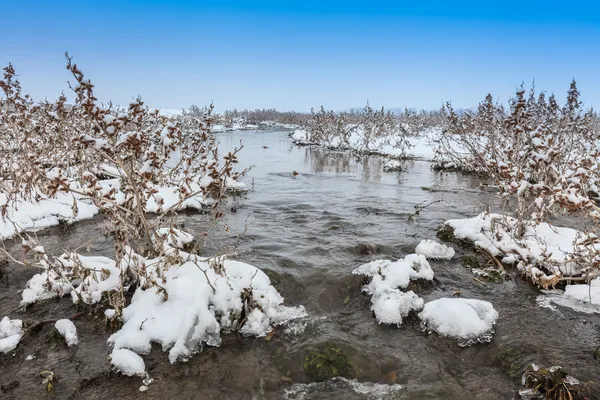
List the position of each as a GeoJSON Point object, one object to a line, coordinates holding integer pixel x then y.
{"type": "Point", "coordinates": [388, 302]}
{"type": "Point", "coordinates": [11, 332]}
{"type": "Point", "coordinates": [127, 362]}
{"type": "Point", "coordinates": [468, 320]}
{"type": "Point", "coordinates": [434, 250]}
{"type": "Point", "coordinates": [67, 330]}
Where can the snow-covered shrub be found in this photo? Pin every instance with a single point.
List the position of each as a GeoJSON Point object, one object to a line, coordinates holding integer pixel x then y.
{"type": "Point", "coordinates": [369, 131]}
{"type": "Point", "coordinates": [543, 158]}
{"type": "Point", "coordinates": [138, 167]}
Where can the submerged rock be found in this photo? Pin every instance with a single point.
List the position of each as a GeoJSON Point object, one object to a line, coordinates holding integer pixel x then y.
{"type": "Point", "coordinates": [325, 362]}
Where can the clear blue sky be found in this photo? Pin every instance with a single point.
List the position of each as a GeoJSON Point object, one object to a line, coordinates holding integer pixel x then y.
{"type": "Point", "coordinates": [288, 55]}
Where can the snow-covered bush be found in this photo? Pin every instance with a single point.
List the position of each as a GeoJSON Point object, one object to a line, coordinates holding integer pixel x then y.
{"type": "Point", "coordinates": [137, 167]}
{"type": "Point", "coordinates": [369, 131]}
{"type": "Point", "coordinates": [543, 158]}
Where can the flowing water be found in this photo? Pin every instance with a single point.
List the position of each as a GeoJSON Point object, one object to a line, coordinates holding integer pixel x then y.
{"type": "Point", "coordinates": [312, 216]}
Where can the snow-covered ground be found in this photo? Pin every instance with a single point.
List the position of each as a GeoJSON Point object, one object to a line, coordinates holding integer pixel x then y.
{"type": "Point", "coordinates": [421, 147]}
{"type": "Point", "coordinates": [240, 125]}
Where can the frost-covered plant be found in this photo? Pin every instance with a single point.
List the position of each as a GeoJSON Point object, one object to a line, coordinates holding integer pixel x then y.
{"type": "Point", "coordinates": [367, 131]}
{"type": "Point", "coordinates": [544, 160]}
{"type": "Point", "coordinates": [138, 168]}
{"type": "Point", "coordinates": [126, 162]}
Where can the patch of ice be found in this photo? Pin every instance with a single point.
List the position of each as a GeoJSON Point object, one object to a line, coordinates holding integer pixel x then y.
{"type": "Point", "coordinates": [11, 332]}
{"type": "Point", "coordinates": [580, 298]}
{"type": "Point", "coordinates": [434, 250]}
{"type": "Point", "coordinates": [468, 320]}
{"type": "Point", "coordinates": [67, 329]}
{"type": "Point", "coordinates": [345, 387]}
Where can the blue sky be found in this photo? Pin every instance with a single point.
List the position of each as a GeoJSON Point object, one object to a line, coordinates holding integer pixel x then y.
{"type": "Point", "coordinates": [294, 55]}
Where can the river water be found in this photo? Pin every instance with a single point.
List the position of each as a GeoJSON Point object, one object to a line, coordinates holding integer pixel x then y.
{"type": "Point", "coordinates": [312, 216]}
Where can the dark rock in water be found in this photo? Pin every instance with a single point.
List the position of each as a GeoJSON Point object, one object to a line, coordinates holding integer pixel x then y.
{"type": "Point", "coordinates": [421, 286]}
{"type": "Point", "coordinates": [364, 249]}
{"type": "Point", "coordinates": [445, 233]}
{"type": "Point", "coordinates": [327, 361]}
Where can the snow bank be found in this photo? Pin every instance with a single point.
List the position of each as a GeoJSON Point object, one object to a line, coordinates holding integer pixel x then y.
{"type": "Point", "coordinates": [67, 330]}
{"type": "Point", "coordinates": [32, 216]}
{"type": "Point", "coordinates": [589, 294]}
{"type": "Point", "coordinates": [581, 298]}
{"type": "Point", "coordinates": [468, 320]}
{"type": "Point", "coordinates": [542, 244]}
{"type": "Point", "coordinates": [48, 212]}
{"type": "Point", "coordinates": [11, 332]}
{"type": "Point", "coordinates": [388, 302]}
{"type": "Point", "coordinates": [434, 250]}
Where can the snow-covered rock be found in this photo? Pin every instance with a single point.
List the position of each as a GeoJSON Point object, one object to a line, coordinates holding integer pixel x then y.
{"type": "Point", "coordinates": [127, 362]}
{"type": "Point", "coordinates": [11, 332]}
{"type": "Point", "coordinates": [388, 302]}
{"type": "Point", "coordinates": [434, 250]}
{"type": "Point", "coordinates": [468, 320]}
{"type": "Point", "coordinates": [67, 330]}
